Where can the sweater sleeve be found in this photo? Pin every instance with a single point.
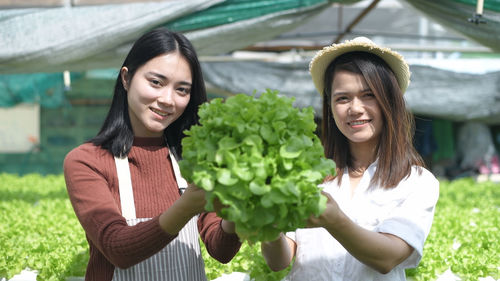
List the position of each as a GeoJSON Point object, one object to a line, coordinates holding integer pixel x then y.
{"type": "Point", "coordinates": [220, 245]}
{"type": "Point", "coordinates": [99, 214]}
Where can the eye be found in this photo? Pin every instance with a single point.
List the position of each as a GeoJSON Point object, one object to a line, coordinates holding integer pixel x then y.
{"type": "Point", "coordinates": [184, 90]}
{"type": "Point", "coordinates": [369, 95]}
{"type": "Point", "coordinates": [155, 82]}
{"type": "Point", "coordinates": [340, 99]}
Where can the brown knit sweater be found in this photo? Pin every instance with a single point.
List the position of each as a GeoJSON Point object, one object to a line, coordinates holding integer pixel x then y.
{"type": "Point", "coordinates": [92, 184]}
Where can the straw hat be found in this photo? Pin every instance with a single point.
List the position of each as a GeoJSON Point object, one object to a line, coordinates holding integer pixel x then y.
{"type": "Point", "coordinates": [324, 57]}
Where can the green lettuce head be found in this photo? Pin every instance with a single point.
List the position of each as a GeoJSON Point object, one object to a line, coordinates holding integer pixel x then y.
{"type": "Point", "coordinates": [261, 159]}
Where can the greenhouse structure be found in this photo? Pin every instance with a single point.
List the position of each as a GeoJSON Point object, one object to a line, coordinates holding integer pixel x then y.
{"type": "Point", "coordinates": [59, 60]}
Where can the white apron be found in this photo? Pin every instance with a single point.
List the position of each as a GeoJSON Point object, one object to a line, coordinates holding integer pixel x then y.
{"type": "Point", "coordinates": [181, 259]}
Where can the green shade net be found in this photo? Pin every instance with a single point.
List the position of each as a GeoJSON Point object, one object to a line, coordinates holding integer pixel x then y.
{"type": "Point", "coordinates": [47, 89]}
{"type": "Point", "coordinates": [493, 5]}
{"type": "Point", "coordinates": [237, 10]}
{"type": "Point", "coordinates": [444, 136]}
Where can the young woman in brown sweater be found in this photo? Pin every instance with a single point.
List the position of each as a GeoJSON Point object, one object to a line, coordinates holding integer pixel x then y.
{"type": "Point", "coordinates": [140, 217]}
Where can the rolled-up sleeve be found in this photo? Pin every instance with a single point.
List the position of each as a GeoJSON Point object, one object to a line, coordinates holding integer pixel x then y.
{"type": "Point", "coordinates": [220, 245]}
{"type": "Point", "coordinates": [412, 219]}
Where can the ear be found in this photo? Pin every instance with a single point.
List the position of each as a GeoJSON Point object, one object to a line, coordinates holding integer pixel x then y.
{"type": "Point", "coordinates": [124, 77]}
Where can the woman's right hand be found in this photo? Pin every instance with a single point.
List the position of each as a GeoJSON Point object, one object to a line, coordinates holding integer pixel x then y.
{"type": "Point", "coordinates": [191, 203]}
{"type": "Point", "coordinates": [193, 199]}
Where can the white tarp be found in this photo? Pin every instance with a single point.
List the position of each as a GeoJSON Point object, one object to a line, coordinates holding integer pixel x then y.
{"type": "Point", "coordinates": [454, 15]}
{"type": "Point", "coordinates": [475, 145]}
{"type": "Point", "coordinates": [456, 89]}
{"type": "Point", "coordinates": [91, 37]}
{"type": "Point", "coordinates": [230, 37]}
{"type": "Point", "coordinates": [49, 40]}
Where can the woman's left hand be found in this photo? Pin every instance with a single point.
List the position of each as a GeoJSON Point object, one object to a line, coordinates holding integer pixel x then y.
{"type": "Point", "coordinates": [227, 226]}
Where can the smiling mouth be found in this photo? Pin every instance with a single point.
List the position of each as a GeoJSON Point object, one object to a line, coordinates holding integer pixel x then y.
{"type": "Point", "coordinates": [159, 112]}
{"type": "Point", "coordinates": [358, 122]}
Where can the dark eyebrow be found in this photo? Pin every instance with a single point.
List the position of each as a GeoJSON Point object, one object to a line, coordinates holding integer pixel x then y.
{"type": "Point", "coordinates": [338, 93]}
{"type": "Point", "coordinates": [345, 93]}
{"type": "Point", "coordinates": [185, 83]}
{"type": "Point", "coordinates": [157, 75]}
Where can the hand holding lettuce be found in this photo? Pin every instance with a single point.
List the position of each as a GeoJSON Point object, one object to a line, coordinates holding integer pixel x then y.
{"type": "Point", "coordinates": [260, 158]}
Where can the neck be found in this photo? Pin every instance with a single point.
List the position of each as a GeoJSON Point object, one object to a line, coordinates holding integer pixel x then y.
{"type": "Point", "coordinates": [149, 141]}
{"type": "Point", "coordinates": [363, 155]}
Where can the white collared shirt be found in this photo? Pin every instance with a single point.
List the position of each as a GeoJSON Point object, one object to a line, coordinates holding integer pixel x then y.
{"type": "Point", "coordinates": [406, 211]}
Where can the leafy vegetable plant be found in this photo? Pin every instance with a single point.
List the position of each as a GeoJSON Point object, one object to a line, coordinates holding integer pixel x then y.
{"type": "Point", "coordinates": [249, 260]}
{"type": "Point", "coordinates": [39, 229]}
{"type": "Point", "coordinates": [465, 233]}
{"type": "Point", "coordinates": [261, 159]}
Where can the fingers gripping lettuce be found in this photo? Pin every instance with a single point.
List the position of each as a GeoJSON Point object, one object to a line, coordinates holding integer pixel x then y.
{"type": "Point", "coordinates": [260, 158]}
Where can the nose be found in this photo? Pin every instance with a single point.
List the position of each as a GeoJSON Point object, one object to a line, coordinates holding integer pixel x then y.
{"type": "Point", "coordinates": [356, 106]}
{"type": "Point", "coordinates": [166, 96]}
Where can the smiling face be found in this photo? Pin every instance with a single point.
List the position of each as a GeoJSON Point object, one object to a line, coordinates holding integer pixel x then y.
{"type": "Point", "coordinates": [158, 93]}
{"type": "Point", "coordinates": [355, 109]}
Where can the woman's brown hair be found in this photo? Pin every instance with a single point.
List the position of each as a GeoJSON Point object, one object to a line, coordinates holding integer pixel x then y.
{"type": "Point", "coordinates": [395, 152]}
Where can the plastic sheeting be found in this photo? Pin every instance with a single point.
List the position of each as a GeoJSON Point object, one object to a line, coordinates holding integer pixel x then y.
{"type": "Point", "coordinates": [95, 37]}
{"type": "Point", "coordinates": [47, 40]}
{"type": "Point", "coordinates": [234, 36]}
{"type": "Point", "coordinates": [91, 37]}
{"type": "Point", "coordinates": [231, 11]}
{"type": "Point", "coordinates": [475, 145]}
{"type": "Point", "coordinates": [454, 14]}
{"type": "Point", "coordinates": [455, 95]}
{"type": "Point", "coordinates": [433, 92]}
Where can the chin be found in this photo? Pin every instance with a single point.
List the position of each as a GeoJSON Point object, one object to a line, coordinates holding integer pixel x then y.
{"type": "Point", "coordinates": [361, 139]}
{"type": "Point", "coordinates": [155, 132]}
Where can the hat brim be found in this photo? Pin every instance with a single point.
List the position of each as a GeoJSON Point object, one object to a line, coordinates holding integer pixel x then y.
{"type": "Point", "coordinates": [324, 57]}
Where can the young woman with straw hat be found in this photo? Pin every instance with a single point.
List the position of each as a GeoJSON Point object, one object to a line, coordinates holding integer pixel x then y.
{"type": "Point", "coordinates": [381, 203]}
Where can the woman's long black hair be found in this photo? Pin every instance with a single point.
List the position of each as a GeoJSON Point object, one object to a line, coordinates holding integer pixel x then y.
{"type": "Point", "coordinates": [116, 134]}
